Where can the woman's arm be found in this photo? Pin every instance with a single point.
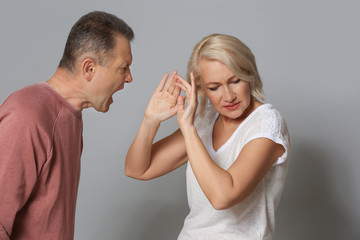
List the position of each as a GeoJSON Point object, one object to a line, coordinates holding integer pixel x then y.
{"type": "Point", "coordinates": [146, 160]}
{"type": "Point", "coordinates": [224, 188]}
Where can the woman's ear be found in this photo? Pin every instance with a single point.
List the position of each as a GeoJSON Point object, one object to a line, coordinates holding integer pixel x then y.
{"type": "Point", "coordinates": [88, 67]}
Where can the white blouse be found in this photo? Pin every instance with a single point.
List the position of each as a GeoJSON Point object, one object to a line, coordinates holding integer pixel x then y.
{"type": "Point", "coordinates": [253, 218]}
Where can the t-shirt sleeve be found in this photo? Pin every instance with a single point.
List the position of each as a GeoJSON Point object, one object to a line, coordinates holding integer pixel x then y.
{"type": "Point", "coordinates": [18, 168]}
{"type": "Point", "coordinates": [270, 124]}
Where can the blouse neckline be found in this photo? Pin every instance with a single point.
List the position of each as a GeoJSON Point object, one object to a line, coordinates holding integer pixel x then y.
{"type": "Point", "coordinates": [223, 147]}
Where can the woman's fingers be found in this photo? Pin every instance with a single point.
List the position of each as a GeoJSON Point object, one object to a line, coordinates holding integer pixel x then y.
{"type": "Point", "coordinates": [184, 85]}
{"type": "Point", "coordinates": [175, 83]}
{"type": "Point", "coordinates": [180, 103]}
{"type": "Point", "coordinates": [189, 89]}
{"type": "Point", "coordinates": [193, 84]}
{"type": "Point", "coordinates": [170, 83]}
{"type": "Point", "coordinates": [177, 91]}
{"type": "Point", "coordinates": [162, 83]}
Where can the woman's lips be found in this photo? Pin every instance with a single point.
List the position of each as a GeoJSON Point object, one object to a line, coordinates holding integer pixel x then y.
{"type": "Point", "coordinates": [232, 107]}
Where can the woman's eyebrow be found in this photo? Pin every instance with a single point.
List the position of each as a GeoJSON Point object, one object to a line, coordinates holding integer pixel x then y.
{"type": "Point", "coordinates": [217, 83]}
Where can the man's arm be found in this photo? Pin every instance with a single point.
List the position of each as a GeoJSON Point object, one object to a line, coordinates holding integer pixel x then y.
{"type": "Point", "coordinates": [3, 234]}
{"type": "Point", "coordinates": [18, 171]}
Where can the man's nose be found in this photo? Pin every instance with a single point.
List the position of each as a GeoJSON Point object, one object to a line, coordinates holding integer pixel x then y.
{"type": "Point", "coordinates": [128, 78]}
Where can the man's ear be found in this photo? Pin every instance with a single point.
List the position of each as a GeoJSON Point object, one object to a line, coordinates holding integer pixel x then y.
{"type": "Point", "coordinates": [88, 67]}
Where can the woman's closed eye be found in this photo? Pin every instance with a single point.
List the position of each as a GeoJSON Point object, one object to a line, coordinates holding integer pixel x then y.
{"type": "Point", "coordinates": [236, 81]}
{"type": "Point", "coordinates": [231, 82]}
{"type": "Point", "coordinates": [213, 88]}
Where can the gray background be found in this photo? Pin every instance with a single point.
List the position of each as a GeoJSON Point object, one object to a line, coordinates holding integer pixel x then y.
{"type": "Point", "coordinates": [308, 56]}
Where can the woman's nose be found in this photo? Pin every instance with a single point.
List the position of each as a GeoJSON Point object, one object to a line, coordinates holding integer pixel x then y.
{"type": "Point", "coordinates": [229, 95]}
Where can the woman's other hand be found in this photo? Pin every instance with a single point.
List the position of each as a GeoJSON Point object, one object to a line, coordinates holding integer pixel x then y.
{"type": "Point", "coordinates": [185, 115]}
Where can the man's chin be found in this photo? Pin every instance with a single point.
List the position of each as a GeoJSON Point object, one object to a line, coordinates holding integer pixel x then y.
{"type": "Point", "coordinates": [106, 107]}
{"type": "Point", "coordinates": [102, 109]}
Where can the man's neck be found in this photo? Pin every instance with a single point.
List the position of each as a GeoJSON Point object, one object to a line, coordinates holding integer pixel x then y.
{"type": "Point", "coordinates": [70, 87]}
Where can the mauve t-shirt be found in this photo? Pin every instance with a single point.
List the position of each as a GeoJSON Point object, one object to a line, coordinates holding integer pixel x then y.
{"type": "Point", "coordinates": [40, 150]}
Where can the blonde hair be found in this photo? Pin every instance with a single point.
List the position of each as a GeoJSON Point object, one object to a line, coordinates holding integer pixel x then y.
{"type": "Point", "coordinates": [234, 54]}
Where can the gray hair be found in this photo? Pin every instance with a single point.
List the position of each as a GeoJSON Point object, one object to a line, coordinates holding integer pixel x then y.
{"type": "Point", "coordinates": [94, 34]}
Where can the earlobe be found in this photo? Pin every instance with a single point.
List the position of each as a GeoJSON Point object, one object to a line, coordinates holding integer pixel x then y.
{"type": "Point", "coordinates": [88, 67]}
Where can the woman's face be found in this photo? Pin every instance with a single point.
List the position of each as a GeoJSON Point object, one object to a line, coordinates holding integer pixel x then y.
{"type": "Point", "coordinates": [229, 95]}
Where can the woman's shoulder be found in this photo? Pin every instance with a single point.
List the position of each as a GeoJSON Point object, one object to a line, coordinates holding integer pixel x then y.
{"type": "Point", "coordinates": [269, 120]}
{"type": "Point", "coordinates": [266, 112]}
{"type": "Point", "coordinates": [269, 113]}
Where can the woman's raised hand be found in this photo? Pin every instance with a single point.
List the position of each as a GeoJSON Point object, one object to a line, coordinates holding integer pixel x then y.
{"type": "Point", "coordinates": [162, 104]}
{"type": "Point", "coordinates": [185, 116]}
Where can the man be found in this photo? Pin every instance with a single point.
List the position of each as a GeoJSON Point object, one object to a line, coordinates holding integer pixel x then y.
{"type": "Point", "coordinates": [41, 129]}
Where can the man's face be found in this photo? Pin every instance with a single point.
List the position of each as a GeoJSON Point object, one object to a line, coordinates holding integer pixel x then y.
{"type": "Point", "coordinates": [111, 77]}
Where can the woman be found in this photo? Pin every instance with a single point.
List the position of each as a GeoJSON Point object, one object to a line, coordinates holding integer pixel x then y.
{"type": "Point", "coordinates": [236, 146]}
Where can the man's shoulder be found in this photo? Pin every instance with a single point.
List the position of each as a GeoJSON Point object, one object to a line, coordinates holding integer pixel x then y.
{"type": "Point", "coordinates": [28, 95]}
{"type": "Point", "coordinates": [32, 103]}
